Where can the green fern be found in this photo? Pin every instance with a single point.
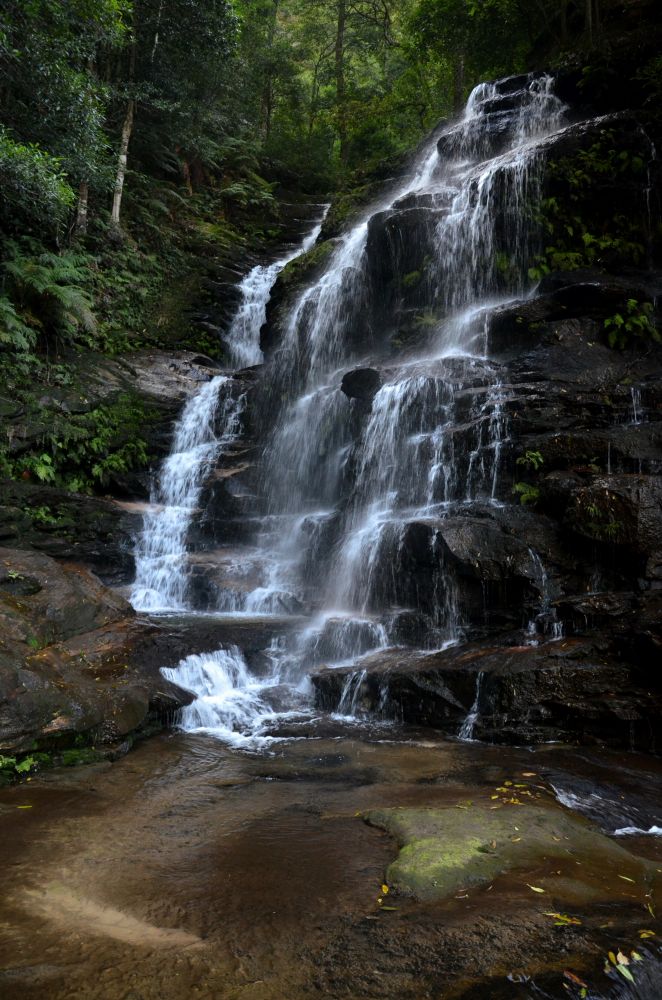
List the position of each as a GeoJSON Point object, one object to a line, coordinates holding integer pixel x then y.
{"type": "Point", "coordinates": [14, 331]}
{"type": "Point", "coordinates": [49, 288]}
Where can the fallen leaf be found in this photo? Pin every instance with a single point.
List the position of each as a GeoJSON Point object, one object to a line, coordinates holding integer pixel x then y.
{"type": "Point", "coordinates": [622, 959]}
{"type": "Point", "coordinates": [574, 979]}
{"type": "Point", "coordinates": [535, 888]}
{"type": "Point", "coordinates": [646, 934]}
{"type": "Point", "coordinates": [24, 807]}
{"type": "Point", "coordinates": [528, 774]}
{"type": "Point", "coordinates": [515, 840]}
{"type": "Point", "coordinates": [625, 972]}
{"type": "Point", "coordinates": [389, 908]}
{"type": "Point", "coordinates": [384, 890]}
{"type": "Point", "coordinates": [626, 879]}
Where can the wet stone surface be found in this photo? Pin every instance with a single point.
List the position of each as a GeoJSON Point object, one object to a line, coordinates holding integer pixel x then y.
{"type": "Point", "coordinates": [188, 869]}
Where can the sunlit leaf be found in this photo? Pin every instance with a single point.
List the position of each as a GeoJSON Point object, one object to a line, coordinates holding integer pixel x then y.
{"type": "Point", "coordinates": [535, 888]}
{"type": "Point", "coordinates": [625, 972]}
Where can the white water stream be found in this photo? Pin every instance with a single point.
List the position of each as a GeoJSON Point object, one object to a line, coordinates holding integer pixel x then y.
{"type": "Point", "coordinates": [243, 337]}
{"type": "Point", "coordinates": [210, 422]}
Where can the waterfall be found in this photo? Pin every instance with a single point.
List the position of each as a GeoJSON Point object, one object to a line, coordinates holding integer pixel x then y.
{"type": "Point", "coordinates": [467, 728]}
{"type": "Point", "coordinates": [161, 552]}
{"type": "Point", "coordinates": [243, 337]}
{"type": "Point", "coordinates": [354, 493]}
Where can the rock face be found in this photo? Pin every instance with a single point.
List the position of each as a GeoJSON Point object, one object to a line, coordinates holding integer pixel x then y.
{"type": "Point", "coordinates": [77, 663]}
{"type": "Point", "coordinates": [574, 689]}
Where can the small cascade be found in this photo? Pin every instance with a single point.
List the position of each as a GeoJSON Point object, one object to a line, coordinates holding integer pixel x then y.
{"type": "Point", "coordinates": [231, 703]}
{"type": "Point", "coordinates": [545, 622]}
{"type": "Point", "coordinates": [635, 406]}
{"type": "Point", "coordinates": [243, 337]}
{"type": "Point", "coordinates": [468, 727]}
{"type": "Point", "coordinates": [351, 694]}
{"type": "Point", "coordinates": [210, 422]}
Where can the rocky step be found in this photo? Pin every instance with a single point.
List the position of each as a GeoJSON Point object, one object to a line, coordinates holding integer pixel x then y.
{"type": "Point", "coordinates": [569, 690]}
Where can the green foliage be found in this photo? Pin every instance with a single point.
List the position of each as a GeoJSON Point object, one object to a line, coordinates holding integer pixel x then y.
{"type": "Point", "coordinates": [36, 196]}
{"type": "Point", "coordinates": [577, 235]}
{"type": "Point", "coordinates": [47, 291]}
{"type": "Point", "coordinates": [632, 325]}
{"type": "Point", "coordinates": [527, 493]}
{"type": "Point", "coordinates": [531, 460]}
{"type": "Point", "coordinates": [599, 521]}
{"type": "Point", "coordinates": [82, 451]}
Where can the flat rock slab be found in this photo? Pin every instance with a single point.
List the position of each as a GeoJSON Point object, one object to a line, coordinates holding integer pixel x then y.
{"type": "Point", "coordinates": [445, 851]}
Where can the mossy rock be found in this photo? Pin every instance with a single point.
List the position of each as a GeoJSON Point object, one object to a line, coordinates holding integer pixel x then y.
{"type": "Point", "coordinates": [305, 266]}
{"type": "Point", "coordinates": [446, 849]}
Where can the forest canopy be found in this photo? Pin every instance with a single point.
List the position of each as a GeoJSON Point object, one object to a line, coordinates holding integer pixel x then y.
{"type": "Point", "coordinates": [126, 126]}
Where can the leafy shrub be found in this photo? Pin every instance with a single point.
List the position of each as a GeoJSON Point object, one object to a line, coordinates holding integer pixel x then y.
{"type": "Point", "coordinates": [35, 193]}
{"type": "Point", "coordinates": [632, 324]}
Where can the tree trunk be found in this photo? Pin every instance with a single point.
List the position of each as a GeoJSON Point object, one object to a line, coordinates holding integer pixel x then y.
{"type": "Point", "coordinates": [339, 53]}
{"type": "Point", "coordinates": [127, 128]}
{"type": "Point", "coordinates": [268, 89]}
{"type": "Point", "coordinates": [458, 84]}
{"type": "Point", "coordinates": [80, 225]}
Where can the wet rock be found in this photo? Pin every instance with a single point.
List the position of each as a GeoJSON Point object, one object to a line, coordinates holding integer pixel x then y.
{"type": "Point", "coordinates": [75, 660]}
{"type": "Point", "coordinates": [573, 689]}
{"type": "Point", "coordinates": [444, 851]}
{"type": "Point", "coordinates": [361, 383]}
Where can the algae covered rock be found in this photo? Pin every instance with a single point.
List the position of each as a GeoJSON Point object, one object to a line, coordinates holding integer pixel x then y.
{"type": "Point", "coordinates": [550, 851]}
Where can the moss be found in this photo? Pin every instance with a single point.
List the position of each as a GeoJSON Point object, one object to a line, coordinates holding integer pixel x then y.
{"type": "Point", "coordinates": [302, 268]}
{"type": "Point", "coordinates": [412, 279]}
{"type": "Point", "coordinates": [345, 206]}
{"type": "Point", "coordinates": [445, 849]}
{"type": "Point", "coordinates": [86, 755]}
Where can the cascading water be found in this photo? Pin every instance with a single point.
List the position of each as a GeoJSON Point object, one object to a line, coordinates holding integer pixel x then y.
{"type": "Point", "coordinates": [210, 422]}
{"type": "Point", "coordinates": [357, 492]}
{"type": "Point", "coordinates": [243, 337]}
{"type": "Point", "coordinates": [469, 725]}
{"type": "Point", "coordinates": [473, 186]}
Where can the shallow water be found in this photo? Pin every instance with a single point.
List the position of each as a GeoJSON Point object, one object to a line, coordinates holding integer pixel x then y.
{"type": "Point", "coordinates": [191, 869]}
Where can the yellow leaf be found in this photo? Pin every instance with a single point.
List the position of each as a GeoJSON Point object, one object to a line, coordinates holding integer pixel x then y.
{"type": "Point", "coordinates": [636, 956]}
{"type": "Point", "coordinates": [24, 807]}
{"type": "Point", "coordinates": [622, 959]}
{"type": "Point", "coordinates": [528, 774]}
{"type": "Point", "coordinates": [612, 958]}
{"type": "Point", "coordinates": [646, 934]}
{"type": "Point", "coordinates": [515, 840]}
{"type": "Point", "coordinates": [384, 890]}
{"type": "Point", "coordinates": [535, 888]}
{"type": "Point", "coordinates": [626, 879]}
